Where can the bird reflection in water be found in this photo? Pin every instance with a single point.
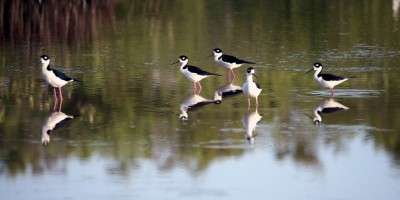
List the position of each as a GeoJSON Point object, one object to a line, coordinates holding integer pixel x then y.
{"type": "Point", "coordinates": [53, 121]}
{"type": "Point", "coordinates": [250, 120]}
{"type": "Point", "coordinates": [227, 90]}
{"type": "Point", "coordinates": [326, 106]}
{"type": "Point", "coordinates": [194, 101]}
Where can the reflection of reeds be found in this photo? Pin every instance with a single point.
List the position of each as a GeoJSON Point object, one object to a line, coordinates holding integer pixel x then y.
{"type": "Point", "coordinates": [45, 21]}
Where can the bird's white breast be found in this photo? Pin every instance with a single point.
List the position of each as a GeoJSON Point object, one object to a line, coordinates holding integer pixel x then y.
{"type": "Point", "coordinates": [52, 79]}
{"type": "Point", "coordinates": [250, 89]}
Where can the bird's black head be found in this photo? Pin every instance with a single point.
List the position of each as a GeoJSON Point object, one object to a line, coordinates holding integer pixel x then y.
{"type": "Point", "coordinates": [250, 139]}
{"type": "Point", "coordinates": [251, 72]}
{"type": "Point", "coordinates": [250, 69]}
{"type": "Point", "coordinates": [218, 50]}
{"type": "Point", "coordinates": [183, 58]}
{"type": "Point", "coordinates": [317, 122]}
{"type": "Point", "coordinates": [44, 57]}
{"type": "Point", "coordinates": [317, 65]}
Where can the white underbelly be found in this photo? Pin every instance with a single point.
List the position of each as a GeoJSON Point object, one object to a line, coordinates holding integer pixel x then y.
{"type": "Point", "coordinates": [53, 80]}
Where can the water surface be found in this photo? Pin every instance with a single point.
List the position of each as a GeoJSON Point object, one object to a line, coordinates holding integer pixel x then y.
{"type": "Point", "coordinates": [127, 140]}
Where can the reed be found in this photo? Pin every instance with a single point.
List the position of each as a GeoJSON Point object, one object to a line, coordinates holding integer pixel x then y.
{"type": "Point", "coordinates": [49, 20]}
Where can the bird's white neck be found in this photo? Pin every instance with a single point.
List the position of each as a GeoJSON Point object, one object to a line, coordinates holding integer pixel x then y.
{"type": "Point", "coordinates": [317, 116]}
{"type": "Point", "coordinates": [184, 63]}
{"type": "Point", "coordinates": [217, 56]}
{"type": "Point", "coordinates": [183, 115]}
{"type": "Point", "coordinates": [45, 64]}
{"type": "Point", "coordinates": [249, 78]}
{"type": "Point", "coordinates": [217, 96]}
{"type": "Point", "coordinates": [317, 71]}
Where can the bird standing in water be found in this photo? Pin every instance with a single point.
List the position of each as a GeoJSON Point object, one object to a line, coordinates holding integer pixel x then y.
{"type": "Point", "coordinates": [327, 80]}
{"type": "Point", "coordinates": [53, 77]}
{"type": "Point", "coordinates": [229, 62]}
{"type": "Point", "coordinates": [251, 88]}
{"type": "Point", "coordinates": [193, 73]}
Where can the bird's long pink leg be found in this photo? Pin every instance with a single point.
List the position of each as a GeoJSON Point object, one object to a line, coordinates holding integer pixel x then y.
{"type": "Point", "coordinates": [59, 109]}
{"type": "Point", "coordinates": [61, 97]}
{"type": "Point", "coordinates": [230, 78]}
{"type": "Point", "coordinates": [194, 88]}
{"type": "Point", "coordinates": [332, 93]}
{"type": "Point", "coordinates": [55, 105]}
{"type": "Point", "coordinates": [55, 94]}
{"type": "Point", "coordinates": [199, 87]}
{"type": "Point", "coordinates": [256, 102]}
{"type": "Point", "coordinates": [233, 74]}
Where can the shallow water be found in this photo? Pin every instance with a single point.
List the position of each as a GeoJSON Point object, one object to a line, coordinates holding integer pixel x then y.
{"type": "Point", "coordinates": [127, 140]}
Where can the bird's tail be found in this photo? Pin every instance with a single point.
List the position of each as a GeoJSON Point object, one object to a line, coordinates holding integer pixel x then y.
{"type": "Point", "coordinates": [77, 80]}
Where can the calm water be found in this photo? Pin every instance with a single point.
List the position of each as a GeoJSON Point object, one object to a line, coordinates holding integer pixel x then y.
{"type": "Point", "coordinates": [127, 141]}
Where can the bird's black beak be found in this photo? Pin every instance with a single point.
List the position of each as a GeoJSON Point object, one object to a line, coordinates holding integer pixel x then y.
{"type": "Point", "coordinates": [174, 62]}
{"type": "Point", "coordinates": [309, 71]}
{"type": "Point", "coordinates": [308, 116]}
{"type": "Point", "coordinates": [255, 75]}
{"type": "Point", "coordinates": [209, 55]}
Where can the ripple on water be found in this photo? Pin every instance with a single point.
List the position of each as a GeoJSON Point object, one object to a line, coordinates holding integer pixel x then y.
{"type": "Point", "coordinates": [353, 93]}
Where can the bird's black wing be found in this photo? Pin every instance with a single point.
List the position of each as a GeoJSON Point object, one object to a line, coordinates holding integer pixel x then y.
{"type": "Point", "coordinates": [233, 59]}
{"type": "Point", "coordinates": [232, 92]}
{"type": "Point", "coordinates": [258, 85]}
{"type": "Point", "coordinates": [62, 122]}
{"type": "Point", "coordinates": [199, 105]}
{"type": "Point", "coordinates": [331, 77]}
{"type": "Point", "coordinates": [331, 109]}
{"type": "Point", "coordinates": [60, 74]}
{"type": "Point", "coordinates": [194, 69]}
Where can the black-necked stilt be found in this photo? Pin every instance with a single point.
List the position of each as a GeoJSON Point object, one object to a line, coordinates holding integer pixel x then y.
{"type": "Point", "coordinates": [53, 77]}
{"type": "Point", "coordinates": [52, 122]}
{"type": "Point", "coordinates": [193, 73]}
{"type": "Point", "coordinates": [327, 80]}
{"type": "Point", "coordinates": [227, 90]}
{"type": "Point", "coordinates": [324, 107]}
{"type": "Point", "coordinates": [194, 101]}
{"type": "Point", "coordinates": [229, 62]}
{"type": "Point", "coordinates": [249, 121]}
{"type": "Point", "coordinates": [251, 88]}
